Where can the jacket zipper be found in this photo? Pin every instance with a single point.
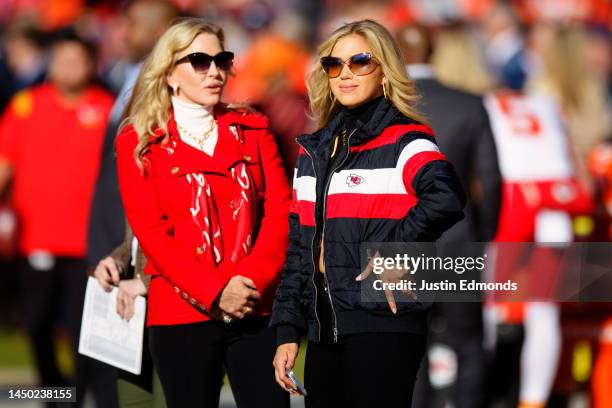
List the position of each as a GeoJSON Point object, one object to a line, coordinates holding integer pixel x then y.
{"type": "Point", "coordinates": [314, 264]}
{"type": "Point", "coordinates": [325, 196]}
{"type": "Point", "coordinates": [312, 246]}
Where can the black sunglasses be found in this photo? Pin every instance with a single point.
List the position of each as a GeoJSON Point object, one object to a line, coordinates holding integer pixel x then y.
{"type": "Point", "coordinates": [359, 64]}
{"type": "Point", "coordinates": [201, 61]}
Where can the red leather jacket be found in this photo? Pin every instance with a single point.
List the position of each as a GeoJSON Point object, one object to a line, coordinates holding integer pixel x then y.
{"type": "Point", "coordinates": [157, 205]}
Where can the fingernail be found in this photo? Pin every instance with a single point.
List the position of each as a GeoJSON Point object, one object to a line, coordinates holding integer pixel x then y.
{"type": "Point", "coordinates": [358, 278]}
{"type": "Point", "coordinates": [394, 310]}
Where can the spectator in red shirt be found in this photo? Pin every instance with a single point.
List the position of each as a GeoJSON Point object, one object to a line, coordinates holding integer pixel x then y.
{"type": "Point", "coordinates": [50, 141]}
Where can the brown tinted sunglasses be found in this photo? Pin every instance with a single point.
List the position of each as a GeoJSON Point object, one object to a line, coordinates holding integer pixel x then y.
{"type": "Point", "coordinates": [359, 64]}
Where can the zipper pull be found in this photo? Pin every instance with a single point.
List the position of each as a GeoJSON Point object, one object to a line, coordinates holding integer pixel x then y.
{"type": "Point", "coordinates": [335, 335]}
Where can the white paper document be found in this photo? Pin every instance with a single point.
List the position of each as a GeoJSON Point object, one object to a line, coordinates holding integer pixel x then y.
{"type": "Point", "coordinates": [105, 336]}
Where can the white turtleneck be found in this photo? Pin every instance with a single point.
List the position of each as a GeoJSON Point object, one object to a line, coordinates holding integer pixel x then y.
{"type": "Point", "coordinates": [195, 119]}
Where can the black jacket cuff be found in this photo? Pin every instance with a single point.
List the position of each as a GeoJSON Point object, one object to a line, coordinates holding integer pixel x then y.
{"type": "Point", "coordinates": [287, 334]}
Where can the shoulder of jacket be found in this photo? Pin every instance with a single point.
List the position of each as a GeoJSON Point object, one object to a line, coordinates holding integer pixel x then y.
{"type": "Point", "coordinates": [245, 118]}
{"type": "Point", "coordinates": [400, 133]}
{"type": "Point", "coordinates": [407, 129]}
{"type": "Point", "coordinates": [126, 136]}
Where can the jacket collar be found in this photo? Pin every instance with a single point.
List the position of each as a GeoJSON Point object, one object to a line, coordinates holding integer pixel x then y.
{"type": "Point", "coordinates": [319, 142]}
{"type": "Point", "coordinates": [242, 117]}
{"type": "Point", "coordinates": [228, 151]}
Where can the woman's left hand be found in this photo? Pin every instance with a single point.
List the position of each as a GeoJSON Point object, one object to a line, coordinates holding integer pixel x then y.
{"type": "Point", "coordinates": [239, 297]}
{"type": "Point", "coordinates": [128, 290]}
{"type": "Point", "coordinates": [388, 275]}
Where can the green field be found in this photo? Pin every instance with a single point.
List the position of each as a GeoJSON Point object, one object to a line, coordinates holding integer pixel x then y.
{"type": "Point", "coordinates": [16, 362]}
{"type": "Point", "coordinates": [16, 357]}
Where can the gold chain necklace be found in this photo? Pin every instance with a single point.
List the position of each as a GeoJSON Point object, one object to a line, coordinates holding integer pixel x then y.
{"type": "Point", "coordinates": [199, 140]}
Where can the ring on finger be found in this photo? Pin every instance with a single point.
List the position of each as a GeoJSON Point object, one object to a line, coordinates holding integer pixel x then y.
{"type": "Point", "coordinates": [246, 310]}
{"type": "Point", "coordinates": [227, 319]}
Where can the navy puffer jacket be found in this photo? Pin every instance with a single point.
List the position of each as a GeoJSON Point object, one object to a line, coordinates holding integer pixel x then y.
{"type": "Point", "coordinates": [390, 183]}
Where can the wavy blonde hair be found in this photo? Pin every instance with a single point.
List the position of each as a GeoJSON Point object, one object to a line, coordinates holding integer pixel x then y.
{"type": "Point", "coordinates": [400, 88]}
{"type": "Point", "coordinates": [149, 106]}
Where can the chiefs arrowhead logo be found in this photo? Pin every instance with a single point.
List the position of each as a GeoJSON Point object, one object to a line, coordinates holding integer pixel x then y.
{"type": "Point", "coordinates": [353, 180]}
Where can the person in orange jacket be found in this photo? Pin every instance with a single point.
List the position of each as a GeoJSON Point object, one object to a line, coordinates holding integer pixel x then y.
{"type": "Point", "coordinates": [205, 192]}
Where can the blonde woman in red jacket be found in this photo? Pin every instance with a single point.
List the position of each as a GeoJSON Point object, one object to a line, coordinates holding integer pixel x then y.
{"type": "Point", "coordinates": [205, 192]}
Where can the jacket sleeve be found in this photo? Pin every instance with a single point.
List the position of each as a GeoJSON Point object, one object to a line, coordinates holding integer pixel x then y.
{"type": "Point", "coordinates": [486, 169]}
{"type": "Point", "coordinates": [287, 314]}
{"type": "Point", "coordinates": [440, 197]}
{"type": "Point", "coordinates": [122, 254]}
{"type": "Point", "coordinates": [264, 263]}
{"type": "Point", "coordinates": [9, 132]}
{"type": "Point", "coordinates": [12, 120]}
{"type": "Point", "coordinates": [196, 281]}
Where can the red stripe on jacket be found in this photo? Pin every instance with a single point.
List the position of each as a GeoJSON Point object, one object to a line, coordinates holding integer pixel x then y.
{"type": "Point", "coordinates": [363, 206]}
{"type": "Point", "coordinates": [390, 136]}
{"type": "Point", "coordinates": [415, 163]}
{"type": "Point", "coordinates": [306, 211]}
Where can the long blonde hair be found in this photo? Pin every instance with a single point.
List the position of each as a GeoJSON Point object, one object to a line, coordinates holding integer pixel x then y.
{"type": "Point", "coordinates": [149, 106]}
{"type": "Point", "coordinates": [400, 89]}
{"type": "Point", "coordinates": [458, 63]}
{"type": "Point", "coordinates": [567, 77]}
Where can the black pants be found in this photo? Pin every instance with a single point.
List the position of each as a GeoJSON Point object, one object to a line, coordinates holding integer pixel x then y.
{"type": "Point", "coordinates": [190, 360]}
{"type": "Point", "coordinates": [363, 370]}
{"type": "Point", "coordinates": [56, 296]}
{"type": "Point", "coordinates": [459, 327]}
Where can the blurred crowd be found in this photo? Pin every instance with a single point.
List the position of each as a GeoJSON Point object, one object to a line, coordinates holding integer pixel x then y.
{"type": "Point", "coordinates": [481, 45]}
{"type": "Point", "coordinates": [557, 48]}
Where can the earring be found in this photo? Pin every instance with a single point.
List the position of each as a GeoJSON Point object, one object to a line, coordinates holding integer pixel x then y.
{"type": "Point", "coordinates": [175, 88]}
{"type": "Point", "coordinates": [384, 90]}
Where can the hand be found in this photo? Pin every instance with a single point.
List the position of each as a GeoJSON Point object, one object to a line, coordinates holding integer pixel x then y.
{"type": "Point", "coordinates": [387, 276]}
{"type": "Point", "coordinates": [128, 290]}
{"type": "Point", "coordinates": [239, 297]}
{"type": "Point", "coordinates": [107, 273]}
{"type": "Point", "coordinates": [283, 362]}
